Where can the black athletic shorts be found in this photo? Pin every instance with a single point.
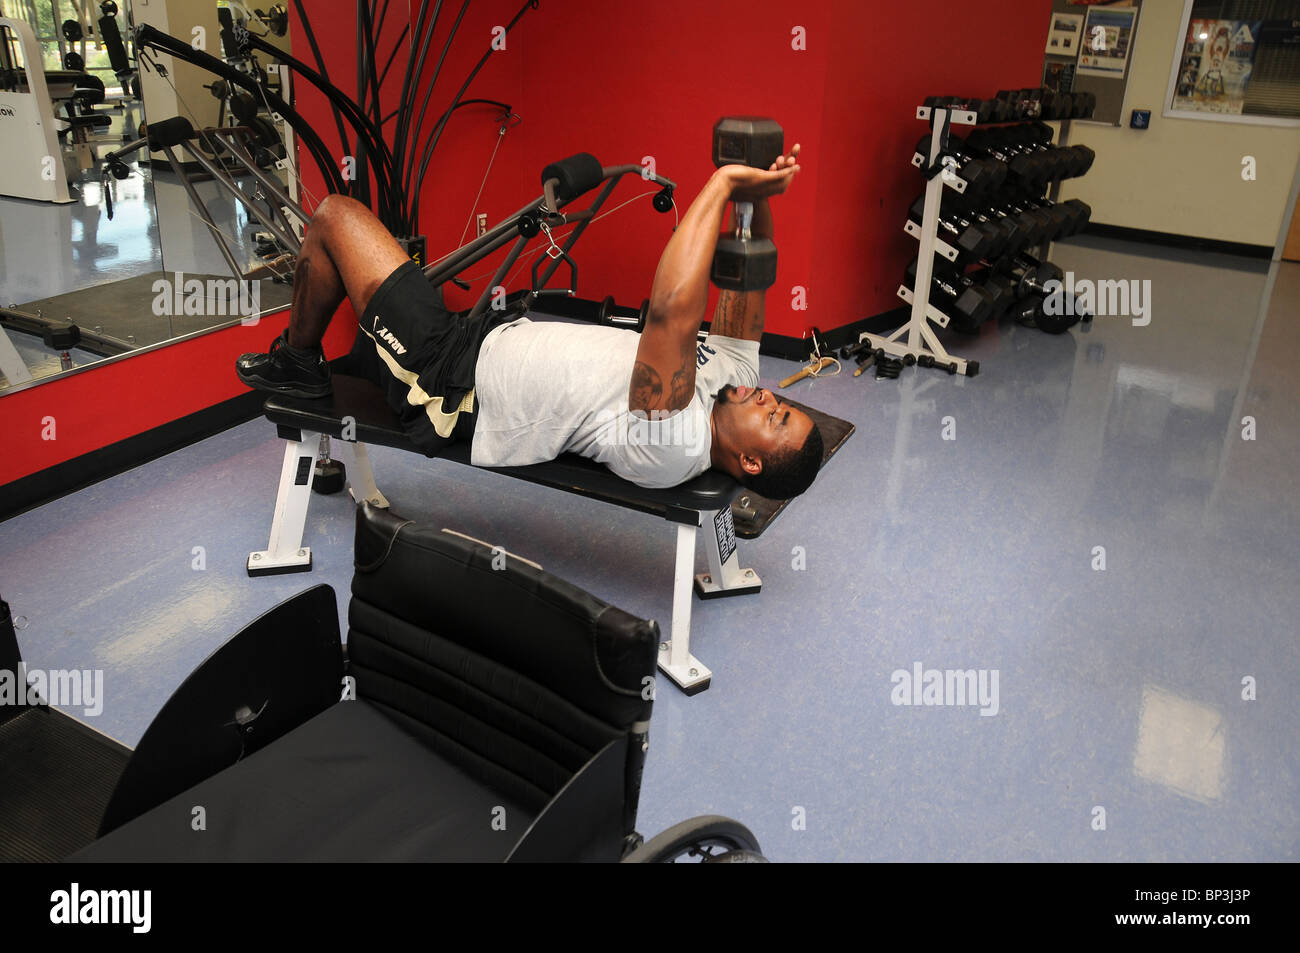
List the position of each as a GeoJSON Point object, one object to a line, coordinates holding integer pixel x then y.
{"type": "Point", "coordinates": [424, 357]}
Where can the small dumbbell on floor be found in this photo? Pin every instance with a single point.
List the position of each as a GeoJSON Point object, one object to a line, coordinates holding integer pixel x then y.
{"type": "Point", "coordinates": [330, 475]}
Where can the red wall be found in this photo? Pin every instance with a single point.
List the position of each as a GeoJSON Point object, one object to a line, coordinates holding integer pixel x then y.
{"type": "Point", "coordinates": [651, 80]}
{"type": "Point", "coordinates": [624, 81]}
{"type": "Point", "coordinates": [102, 406]}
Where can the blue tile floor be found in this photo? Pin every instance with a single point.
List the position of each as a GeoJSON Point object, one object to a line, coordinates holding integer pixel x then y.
{"type": "Point", "coordinates": [1123, 726]}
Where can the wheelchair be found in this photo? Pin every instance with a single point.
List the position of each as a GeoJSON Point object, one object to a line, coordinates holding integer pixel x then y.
{"type": "Point", "coordinates": [485, 710]}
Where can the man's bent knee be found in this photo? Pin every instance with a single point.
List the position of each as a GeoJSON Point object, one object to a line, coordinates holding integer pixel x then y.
{"type": "Point", "coordinates": [335, 210]}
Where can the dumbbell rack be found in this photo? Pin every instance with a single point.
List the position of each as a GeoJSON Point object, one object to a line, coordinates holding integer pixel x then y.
{"type": "Point", "coordinates": [921, 345]}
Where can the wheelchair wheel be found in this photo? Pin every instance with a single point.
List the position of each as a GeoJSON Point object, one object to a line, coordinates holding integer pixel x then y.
{"type": "Point", "coordinates": [707, 839]}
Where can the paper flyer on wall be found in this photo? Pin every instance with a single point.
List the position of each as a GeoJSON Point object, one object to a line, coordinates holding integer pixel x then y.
{"type": "Point", "coordinates": [1218, 57]}
{"type": "Point", "coordinates": [1104, 46]}
{"type": "Point", "coordinates": [1063, 34]}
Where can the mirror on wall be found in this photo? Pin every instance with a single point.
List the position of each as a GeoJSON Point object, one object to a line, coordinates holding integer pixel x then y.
{"type": "Point", "coordinates": [113, 239]}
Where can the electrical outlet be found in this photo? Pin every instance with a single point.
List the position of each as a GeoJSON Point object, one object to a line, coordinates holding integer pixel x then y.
{"type": "Point", "coordinates": [482, 224]}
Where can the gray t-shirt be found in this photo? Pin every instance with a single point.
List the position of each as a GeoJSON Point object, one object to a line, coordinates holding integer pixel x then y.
{"type": "Point", "coordinates": [547, 388]}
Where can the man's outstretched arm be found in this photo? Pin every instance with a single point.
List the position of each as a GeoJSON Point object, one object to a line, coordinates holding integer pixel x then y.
{"type": "Point", "coordinates": [739, 314]}
{"type": "Point", "coordinates": [663, 377]}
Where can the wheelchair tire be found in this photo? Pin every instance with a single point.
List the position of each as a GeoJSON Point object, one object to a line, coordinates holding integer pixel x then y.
{"type": "Point", "coordinates": [708, 837]}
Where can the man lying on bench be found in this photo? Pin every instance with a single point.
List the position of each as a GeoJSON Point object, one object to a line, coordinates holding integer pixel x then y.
{"type": "Point", "coordinates": [657, 408]}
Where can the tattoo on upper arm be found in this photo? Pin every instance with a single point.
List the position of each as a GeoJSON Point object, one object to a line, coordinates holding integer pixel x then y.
{"type": "Point", "coordinates": [683, 389]}
{"type": "Point", "coordinates": [647, 387]}
{"type": "Point", "coordinates": [648, 391]}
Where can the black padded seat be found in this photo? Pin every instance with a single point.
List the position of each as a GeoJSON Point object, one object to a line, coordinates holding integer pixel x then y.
{"type": "Point", "coordinates": [92, 120]}
{"type": "Point", "coordinates": [348, 785]}
{"type": "Point", "coordinates": [377, 424]}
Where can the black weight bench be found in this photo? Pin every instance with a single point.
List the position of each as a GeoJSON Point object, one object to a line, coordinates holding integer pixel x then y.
{"type": "Point", "coordinates": [358, 414]}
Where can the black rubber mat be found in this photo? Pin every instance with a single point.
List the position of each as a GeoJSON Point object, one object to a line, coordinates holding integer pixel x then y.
{"type": "Point", "coordinates": [56, 776]}
{"type": "Point", "coordinates": [753, 513]}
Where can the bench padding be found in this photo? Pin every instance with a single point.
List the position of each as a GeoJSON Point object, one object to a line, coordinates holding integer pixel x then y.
{"type": "Point", "coordinates": [377, 424]}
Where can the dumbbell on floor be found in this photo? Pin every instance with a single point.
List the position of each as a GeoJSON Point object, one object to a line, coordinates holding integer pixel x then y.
{"type": "Point", "coordinates": [743, 262]}
{"type": "Point", "coordinates": [330, 475]}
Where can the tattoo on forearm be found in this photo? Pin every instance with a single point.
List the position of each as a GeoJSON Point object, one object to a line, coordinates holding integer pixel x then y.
{"type": "Point", "coordinates": [734, 318]}
{"type": "Point", "coordinates": [730, 316]}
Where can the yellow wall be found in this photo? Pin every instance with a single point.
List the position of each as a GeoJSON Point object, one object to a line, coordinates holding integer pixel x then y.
{"type": "Point", "coordinates": [1183, 176]}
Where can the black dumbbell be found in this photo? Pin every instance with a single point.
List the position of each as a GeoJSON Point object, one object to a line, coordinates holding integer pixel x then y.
{"type": "Point", "coordinates": [1075, 215]}
{"type": "Point", "coordinates": [1019, 228]}
{"type": "Point", "coordinates": [1036, 222]}
{"type": "Point", "coordinates": [1027, 168]}
{"type": "Point", "coordinates": [1052, 317]}
{"type": "Point", "coordinates": [1030, 276]}
{"type": "Point", "coordinates": [972, 239]}
{"type": "Point", "coordinates": [1027, 310]}
{"type": "Point", "coordinates": [1051, 104]}
{"type": "Point", "coordinates": [1018, 106]}
{"type": "Point", "coordinates": [1060, 219]}
{"type": "Point", "coordinates": [967, 303]}
{"type": "Point", "coordinates": [743, 262]}
{"type": "Point", "coordinates": [1065, 162]}
{"type": "Point", "coordinates": [1083, 214]}
{"type": "Point", "coordinates": [1013, 235]}
{"type": "Point", "coordinates": [1062, 105]}
{"type": "Point", "coordinates": [985, 110]}
{"type": "Point", "coordinates": [1015, 139]}
{"type": "Point", "coordinates": [330, 475]}
{"type": "Point", "coordinates": [981, 175]}
{"type": "Point", "coordinates": [1085, 161]}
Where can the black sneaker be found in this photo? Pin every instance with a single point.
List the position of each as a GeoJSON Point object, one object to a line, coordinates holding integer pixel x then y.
{"type": "Point", "coordinates": [296, 372]}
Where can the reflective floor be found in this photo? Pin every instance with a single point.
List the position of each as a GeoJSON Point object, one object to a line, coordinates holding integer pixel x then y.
{"type": "Point", "coordinates": [1101, 527]}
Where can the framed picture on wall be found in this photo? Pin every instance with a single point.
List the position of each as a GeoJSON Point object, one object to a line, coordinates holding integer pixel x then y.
{"type": "Point", "coordinates": [1063, 34]}
{"type": "Point", "coordinates": [1232, 68]}
{"type": "Point", "coordinates": [1107, 37]}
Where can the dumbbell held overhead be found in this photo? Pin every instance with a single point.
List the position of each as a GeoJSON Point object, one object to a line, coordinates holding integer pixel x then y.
{"type": "Point", "coordinates": [743, 261]}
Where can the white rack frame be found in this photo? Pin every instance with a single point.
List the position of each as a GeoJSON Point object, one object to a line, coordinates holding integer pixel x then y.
{"type": "Point", "coordinates": [920, 338]}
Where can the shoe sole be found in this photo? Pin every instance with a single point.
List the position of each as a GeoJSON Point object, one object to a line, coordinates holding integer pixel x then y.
{"type": "Point", "coordinates": [287, 390]}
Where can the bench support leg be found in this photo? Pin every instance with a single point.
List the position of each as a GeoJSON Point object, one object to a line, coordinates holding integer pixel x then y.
{"type": "Point", "coordinates": [362, 482]}
{"type": "Point", "coordinates": [725, 577]}
{"type": "Point", "coordinates": [285, 552]}
{"type": "Point", "coordinates": [675, 658]}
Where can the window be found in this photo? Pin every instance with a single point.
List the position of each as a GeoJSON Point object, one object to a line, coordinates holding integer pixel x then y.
{"type": "Point", "coordinates": [1239, 61]}
{"type": "Point", "coordinates": [46, 17]}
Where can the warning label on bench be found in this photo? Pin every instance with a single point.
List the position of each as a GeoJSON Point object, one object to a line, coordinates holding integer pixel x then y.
{"type": "Point", "coordinates": [725, 530]}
